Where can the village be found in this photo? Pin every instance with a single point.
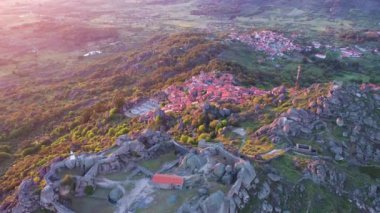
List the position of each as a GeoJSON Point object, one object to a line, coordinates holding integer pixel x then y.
{"type": "Point", "coordinates": [208, 87]}
{"type": "Point", "coordinates": [214, 87]}
{"type": "Point", "coordinates": [269, 42]}
{"type": "Point", "coordinates": [276, 44]}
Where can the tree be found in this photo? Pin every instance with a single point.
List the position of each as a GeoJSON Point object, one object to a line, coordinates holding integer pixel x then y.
{"type": "Point", "coordinates": [184, 138]}
{"type": "Point", "coordinates": [113, 113]}
{"type": "Point", "coordinates": [214, 124]}
{"type": "Point", "coordinates": [118, 100]}
{"type": "Point", "coordinates": [201, 128]}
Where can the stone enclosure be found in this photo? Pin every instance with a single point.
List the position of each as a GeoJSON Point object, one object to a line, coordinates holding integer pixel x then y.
{"type": "Point", "coordinates": [214, 179]}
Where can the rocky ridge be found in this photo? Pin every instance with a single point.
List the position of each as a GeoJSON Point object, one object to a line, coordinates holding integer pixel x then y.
{"type": "Point", "coordinates": [345, 123]}
{"type": "Point", "coordinates": [343, 126]}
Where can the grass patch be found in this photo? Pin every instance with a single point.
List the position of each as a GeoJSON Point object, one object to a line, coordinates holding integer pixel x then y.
{"type": "Point", "coordinates": [356, 177]}
{"type": "Point", "coordinates": [337, 132]}
{"type": "Point", "coordinates": [285, 166]}
{"type": "Point", "coordinates": [156, 164]}
{"type": "Point", "coordinates": [320, 199]}
{"type": "Point", "coordinates": [372, 171]}
{"type": "Point", "coordinates": [251, 126]}
{"type": "Point", "coordinates": [283, 107]}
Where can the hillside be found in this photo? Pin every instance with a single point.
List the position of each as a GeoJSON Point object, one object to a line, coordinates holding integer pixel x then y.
{"type": "Point", "coordinates": [189, 106]}
{"type": "Point", "coordinates": [86, 114]}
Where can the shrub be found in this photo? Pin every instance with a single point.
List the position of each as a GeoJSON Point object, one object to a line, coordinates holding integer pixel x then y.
{"type": "Point", "coordinates": [191, 141]}
{"type": "Point", "coordinates": [111, 132]}
{"type": "Point", "coordinates": [4, 155]}
{"type": "Point", "coordinates": [118, 100]}
{"type": "Point", "coordinates": [186, 119]}
{"type": "Point", "coordinates": [184, 139]}
{"type": "Point", "coordinates": [213, 135]}
{"type": "Point", "coordinates": [201, 128]}
{"type": "Point", "coordinates": [222, 124]}
{"type": "Point", "coordinates": [18, 132]}
{"type": "Point", "coordinates": [86, 115]}
{"type": "Point", "coordinates": [90, 134]}
{"type": "Point", "coordinates": [36, 179]}
{"type": "Point", "coordinates": [41, 162]}
{"type": "Point", "coordinates": [195, 122]}
{"type": "Point", "coordinates": [113, 113]}
{"type": "Point", "coordinates": [89, 190]}
{"type": "Point", "coordinates": [5, 148]}
{"type": "Point", "coordinates": [122, 131]}
{"type": "Point", "coordinates": [158, 119]}
{"type": "Point", "coordinates": [45, 141]}
{"type": "Point", "coordinates": [204, 136]}
{"type": "Point", "coordinates": [30, 150]}
{"type": "Point", "coordinates": [100, 107]}
{"type": "Point", "coordinates": [67, 180]}
{"type": "Point", "coordinates": [214, 124]}
{"type": "Point", "coordinates": [57, 131]}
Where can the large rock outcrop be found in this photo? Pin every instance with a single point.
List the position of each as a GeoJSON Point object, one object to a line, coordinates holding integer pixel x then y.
{"type": "Point", "coordinates": [27, 197]}
{"type": "Point", "coordinates": [320, 172]}
{"type": "Point", "coordinates": [355, 112]}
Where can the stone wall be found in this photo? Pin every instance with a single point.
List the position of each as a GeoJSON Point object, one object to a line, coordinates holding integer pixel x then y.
{"type": "Point", "coordinates": [237, 173]}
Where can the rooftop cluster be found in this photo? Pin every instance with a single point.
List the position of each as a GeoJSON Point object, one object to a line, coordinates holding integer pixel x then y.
{"type": "Point", "coordinates": [350, 53]}
{"type": "Point", "coordinates": [276, 44]}
{"type": "Point", "coordinates": [272, 43]}
{"type": "Point", "coordinates": [208, 87]}
{"type": "Point", "coordinates": [344, 52]}
{"type": "Point", "coordinates": [369, 86]}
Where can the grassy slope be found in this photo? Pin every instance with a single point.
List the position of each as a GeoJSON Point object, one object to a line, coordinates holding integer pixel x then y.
{"type": "Point", "coordinates": [45, 121]}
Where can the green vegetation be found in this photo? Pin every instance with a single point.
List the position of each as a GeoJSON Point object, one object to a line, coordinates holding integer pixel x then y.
{"type": "Point", "coordinates": [317, 198]}
{"type": "Point", "coordinates": [372, 171]}
{"type": "Point", "coordinates": [286, 166]}
{"type": "Point", "coordinates": [264, 72]}
{"type": "Point", "coordinates": [356, 178]}
{"type": "Point", "coordinates": [257, 146]}
{"type": "Point", "coordinates": [79, 106]}
{"type": "Point", "coordinates": [89, 190]}
{"type": "Point", "coordinates": [30, 150]}
{"type": "Point", "coordinates": [156, 164]}
{"type": "Point", "coordinates": [62, 116]}
{"type": "Point", "coordinates": [5, 155]}
{"type": "Point", "coordinates": [5, 148]}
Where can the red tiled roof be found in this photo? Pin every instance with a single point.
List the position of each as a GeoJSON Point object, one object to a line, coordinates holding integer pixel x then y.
{"type": "Point", "coordinates": [167, 179]}
{"type": "Point", "coordinates": [208, 87]}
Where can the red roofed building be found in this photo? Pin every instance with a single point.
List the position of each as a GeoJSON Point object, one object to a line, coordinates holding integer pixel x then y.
{"type": "Point", "coordinates": [166, 181]}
